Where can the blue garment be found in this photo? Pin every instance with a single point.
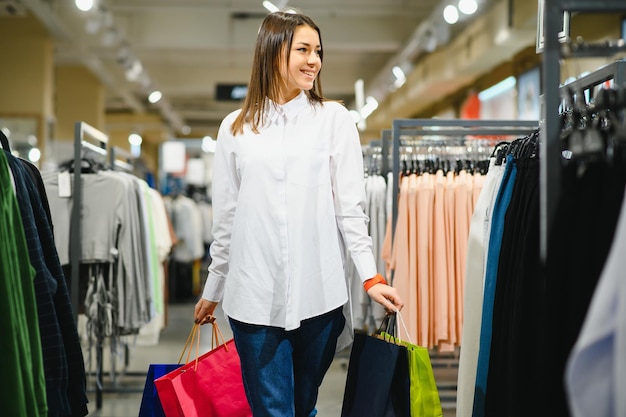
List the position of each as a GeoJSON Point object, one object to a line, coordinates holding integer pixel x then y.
{"type": "Point", "coordinates": [283, 370]}
{"type": "Point", "coordinates": [491, 271]}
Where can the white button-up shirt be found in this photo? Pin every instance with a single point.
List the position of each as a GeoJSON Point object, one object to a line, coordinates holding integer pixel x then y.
{"type": "Point", "coordinates": [285, 202]}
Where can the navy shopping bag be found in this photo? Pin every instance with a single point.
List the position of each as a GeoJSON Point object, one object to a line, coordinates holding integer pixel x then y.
{"type": "Point", "coordinates": [377, 384]}
{"type": "Point", "coordinates": [150, 403]}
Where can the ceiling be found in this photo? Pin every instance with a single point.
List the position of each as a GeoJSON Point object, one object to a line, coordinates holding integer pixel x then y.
{"type": "Point", "coordinates": [186, 47]}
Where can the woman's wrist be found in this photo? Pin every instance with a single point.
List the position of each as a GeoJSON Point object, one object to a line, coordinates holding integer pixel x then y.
{"type": "Point", "coordinates": [377, 279]}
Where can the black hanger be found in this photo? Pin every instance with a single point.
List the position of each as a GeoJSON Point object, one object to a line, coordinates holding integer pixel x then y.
{"type": "Point", "coordinates": [5, 142]}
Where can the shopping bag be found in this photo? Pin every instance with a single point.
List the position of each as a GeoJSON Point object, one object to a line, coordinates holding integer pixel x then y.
{"type": "Point", "coordinates": [209, 386]}
{"type": "Point", "coordinates": [377, 383]}
{"type": "Point", "coordinates": [425, 401]}
{"type": "Point", "coordinates": [150, 403]}
{"type": "Point", "coordinates": [424, 394]}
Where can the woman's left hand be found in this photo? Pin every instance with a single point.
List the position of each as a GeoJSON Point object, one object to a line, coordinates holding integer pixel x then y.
{"type": "Point", "coordinates": [386, 296]}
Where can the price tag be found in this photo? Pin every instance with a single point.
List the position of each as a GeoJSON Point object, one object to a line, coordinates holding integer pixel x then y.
{"type": "Point", "coordinates": [65, 184]}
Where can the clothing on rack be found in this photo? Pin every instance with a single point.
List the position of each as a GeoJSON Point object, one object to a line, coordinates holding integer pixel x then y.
{"type": "Point", "coordinates": [428, 254]}
{"type": "Point", "coordinates": [533, 312]}
{"type": "Point", "coordinates": [477, 244]}
{"type": "Point", "coordinates": [365, 313]}
{"type": "Point", "coordinates": [63, 364]}
{"type": "Point", "coordinates": [188, 221]}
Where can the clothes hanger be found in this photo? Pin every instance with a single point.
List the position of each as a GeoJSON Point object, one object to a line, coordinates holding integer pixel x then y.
{"type": "Point", "coordinates": [5, 142]}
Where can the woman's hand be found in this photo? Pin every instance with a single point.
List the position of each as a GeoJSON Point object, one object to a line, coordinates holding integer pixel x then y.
{"type": "Point", "coordinates": [386, 296]}
{"type": "Point", "coordinates": [204, 310]}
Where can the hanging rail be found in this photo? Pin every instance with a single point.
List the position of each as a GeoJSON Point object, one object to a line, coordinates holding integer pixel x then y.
{"type": "Point", "coordinates": [553, 51]}
{"type": "Point", "coordinates": [438, 130]}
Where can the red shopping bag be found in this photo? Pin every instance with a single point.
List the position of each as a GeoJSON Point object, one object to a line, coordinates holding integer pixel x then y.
{"type": "Point", "coordinates": [209, 386]}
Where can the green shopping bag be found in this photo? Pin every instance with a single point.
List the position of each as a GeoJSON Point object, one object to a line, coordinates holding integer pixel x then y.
{"type": "Point", "coordinates": [424, 395]}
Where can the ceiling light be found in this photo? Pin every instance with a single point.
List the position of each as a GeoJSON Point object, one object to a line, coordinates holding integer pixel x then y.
{"type": "Point", "coordinates": [371, 104]}
{"type": "Point", "coordinates": [134, 71]}
{"type": "Point", "coordinates": [84, 5]}
{"type": "Point", "coordinates": [155, 96]}
{"type": "Point", "coordinates": [135, 139]}
{"type": "Point", "coordinates": [270, 6]}
{"type": "Point", "coordinates": [468, 6]}
{"type": "Point", "coordinates": [451, 14]}
{"type": "Point", "coordinates": [400, 77]}
{"type": "Point", "coordinates": [185, 130]}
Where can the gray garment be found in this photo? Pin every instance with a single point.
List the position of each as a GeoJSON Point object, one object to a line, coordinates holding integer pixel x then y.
{"type": "Point", "coordinates": [111, 229]}
{"type": "Point", "coordinates": [187, 224]}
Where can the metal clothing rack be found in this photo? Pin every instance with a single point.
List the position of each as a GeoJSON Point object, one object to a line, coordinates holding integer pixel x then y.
{"type": "Point", "coordinates": [437, 131]}
{"type": "Point", "coordinates": [125, 163]}
{"type": "Point", "coordinates": [381, 148]}
{"type": "Point", "coordinates": [88, 138]}
{"type": "Point", "coordinates": [82, 132]}
{"type": "Point", "coordinates": [553, 52]}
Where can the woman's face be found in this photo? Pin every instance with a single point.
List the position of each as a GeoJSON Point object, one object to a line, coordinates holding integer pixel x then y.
{"type": "Point", "coordinates": [304, 63]}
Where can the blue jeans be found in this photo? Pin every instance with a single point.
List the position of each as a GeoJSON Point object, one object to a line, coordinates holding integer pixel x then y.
{"type": "Point", "coordinates": [283, 370]}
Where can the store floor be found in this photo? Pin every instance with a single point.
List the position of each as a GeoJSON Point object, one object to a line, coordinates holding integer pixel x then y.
{"type": "Point", "coordinates": [126, 399]}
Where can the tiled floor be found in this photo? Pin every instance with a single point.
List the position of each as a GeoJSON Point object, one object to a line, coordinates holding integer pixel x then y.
{"type": "Point", "coordinates": [126, 401]}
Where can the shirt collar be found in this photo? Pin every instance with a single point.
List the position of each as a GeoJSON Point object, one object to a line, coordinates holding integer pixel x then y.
{"type": "Point", "coordinates": [287, 111]}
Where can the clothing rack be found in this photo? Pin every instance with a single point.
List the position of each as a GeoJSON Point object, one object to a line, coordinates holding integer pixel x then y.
{"type": "Point", "coordinates": [441, 131]}
{"type": "Point", "coordinates": [553, 52]}
{"type": "Point", "coordinates": [88, 138]}
{"type": "Point", "coordinates": [381, 147]}
{"type": "Point", "coordinates": [385, 138]}
{"type": "Point", "coordinates": [82, 132]}
{"type": "Point", "coordinates": [116, 163]}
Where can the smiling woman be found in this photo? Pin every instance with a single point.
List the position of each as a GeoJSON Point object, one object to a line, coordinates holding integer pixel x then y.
{"type": "Point", "coordinates": [288, 180]}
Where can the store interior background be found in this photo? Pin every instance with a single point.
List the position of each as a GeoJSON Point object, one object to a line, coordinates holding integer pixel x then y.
{"type": "Point", "coordinates": [62, 66]}
{"type": "Point", "coordinates": [100, 66]}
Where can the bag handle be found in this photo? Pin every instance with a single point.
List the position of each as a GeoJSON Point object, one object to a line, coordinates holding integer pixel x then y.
{"type": "Point", "coordinates": [388, 326]}
{"type": "Point", "coordinates": [194, 335]}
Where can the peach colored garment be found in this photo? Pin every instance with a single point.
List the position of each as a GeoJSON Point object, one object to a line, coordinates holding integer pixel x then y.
{"type": "Point", "coordinates": [450, 253]}
{"type": "Point", "coordinates": [400, 251]}
{"type": "Point", "coordinates": [413, 301]}
{"type": "Point", "coordinates": [423, 230]}
{"type": "Point", "coordinates": [439, 266]}
{"type": "Point", "coordinates": [461, 230]}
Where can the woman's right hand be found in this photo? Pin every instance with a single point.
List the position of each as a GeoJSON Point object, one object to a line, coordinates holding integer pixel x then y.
{"type": "Point", "coordinates": [204, 310]}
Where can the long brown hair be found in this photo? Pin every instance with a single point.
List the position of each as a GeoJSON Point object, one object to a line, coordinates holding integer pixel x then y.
{"type": "Point", "coordinates": [273, 45]}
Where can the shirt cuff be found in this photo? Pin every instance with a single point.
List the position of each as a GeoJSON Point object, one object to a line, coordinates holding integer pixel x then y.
{"type": "Point", "coordinates": [365, 266]}
{"type": "Point", "coordinates": [214, 288]}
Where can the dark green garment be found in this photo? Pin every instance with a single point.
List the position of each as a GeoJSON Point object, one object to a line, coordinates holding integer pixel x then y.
{"type": "Point", "coordinates": [22, 386]}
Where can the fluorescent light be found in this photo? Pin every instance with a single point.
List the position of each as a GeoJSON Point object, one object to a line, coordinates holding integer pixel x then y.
{"type": "Point", "coordinates": [155, 96]}
{"type": "Point", "coordinates": [468, 6]}
{"type": "Point", "coordinates": [371, 104]}
{"type": "Point", "coordinates": [451, 14]}
{"type": "Point", "coordinates": [135, 139]}
{"type": "Point", "coordinates": [400, 77]}
{"type": "Point", "coordinates": [270, 6]}
{"type": "Point", "coordinates": [84, 5]}
{"type": "Point", "coordinates": [497, 89]}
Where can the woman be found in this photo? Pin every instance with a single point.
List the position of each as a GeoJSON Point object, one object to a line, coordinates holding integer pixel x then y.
{"type": "Point", "coordinates": [288, 196]}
